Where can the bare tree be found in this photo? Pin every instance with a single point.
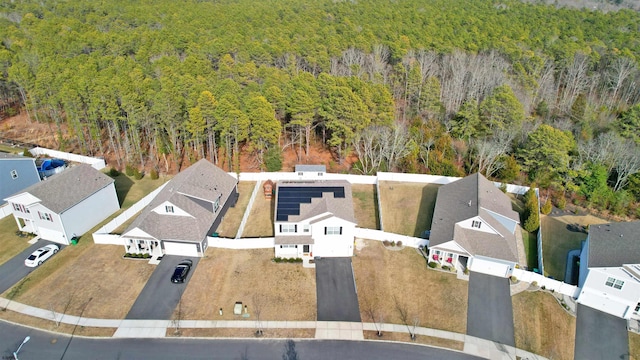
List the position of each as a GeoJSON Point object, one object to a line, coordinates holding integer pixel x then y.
{"type": "Point", "coordinates": [491, 150]}
{"type": "Point", "coordinates": [626, 156]}
{"type": "Point", "coordinates": [403, 312]}
{"type": "Point", "coordinates": [573, 81]}
{"type": "Point", "coordinates": [375, 315]}
{"type": "Point", "coordinates": [177, 317]}
{"type": "Point", "coordinates": [259, 301]}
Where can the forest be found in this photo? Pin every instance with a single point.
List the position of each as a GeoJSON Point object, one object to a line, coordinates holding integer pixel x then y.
{"type": "Point", "coordinates": [521, 91]}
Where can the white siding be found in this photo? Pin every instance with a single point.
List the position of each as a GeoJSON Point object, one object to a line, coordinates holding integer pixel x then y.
{"type": "Point", "coordinates": [484, 226]}
{"type": "Point", "coordinates": [48, 230]}
{"type": "Point", "coordinates": [184, 249]}
{"type": "Point", "coordinates": [288, 251]}
{"type": "Point", "coordinates": [491, 266]}
{"type": "Point", "coordinates": [90, 212]}
{"type": "Point", "coordinates": [619, 302]}
{"type": "Point", "coordinates": [333, 245]}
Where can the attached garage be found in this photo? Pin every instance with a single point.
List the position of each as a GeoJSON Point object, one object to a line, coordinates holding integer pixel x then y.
{"type": "Point", "coordinates": [178, 248]}
{"type": "Point", "coordinates": [52, 235]}
{"type": "Point", "coordinates": [489, 266]}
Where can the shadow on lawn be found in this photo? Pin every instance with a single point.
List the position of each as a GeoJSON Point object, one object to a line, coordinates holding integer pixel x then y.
{"type": "Point", "coordinates": [123, 185]}
{"type": "Point", "coordinates": [425, 211]}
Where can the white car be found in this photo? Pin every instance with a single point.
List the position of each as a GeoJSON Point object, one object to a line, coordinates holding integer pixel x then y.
{"type": "Point", "coordinates": [39, 256]}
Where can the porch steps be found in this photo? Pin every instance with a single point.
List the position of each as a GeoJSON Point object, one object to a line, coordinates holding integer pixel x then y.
{"type": "Point", "coordinates": [154, 260]}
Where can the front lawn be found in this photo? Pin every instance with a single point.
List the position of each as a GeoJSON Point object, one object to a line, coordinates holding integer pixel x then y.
{"type": "Point", "coordinates": [10, 243]}
{"type": "Point", "coordinates": [407, 208]}
{"type": "Point", "coordinates": [390, 282]}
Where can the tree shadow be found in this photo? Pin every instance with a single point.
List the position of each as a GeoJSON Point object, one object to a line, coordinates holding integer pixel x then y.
{"type": "Point", "coordinates": [425, 211]}
{"type": "Point", "coordinates": [123, 185]}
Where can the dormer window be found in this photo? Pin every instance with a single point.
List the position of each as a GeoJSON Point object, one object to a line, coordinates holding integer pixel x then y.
{"type": "Point", "coordinates": [168, 209]}
{"type": "Point", "coordinates": [476, 224]}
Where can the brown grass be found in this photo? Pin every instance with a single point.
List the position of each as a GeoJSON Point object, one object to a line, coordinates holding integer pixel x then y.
{"type": "Point", "coordinates": [287, 291]}
{"type": "Point", "coordinates": [634, 346]}
{"type": "Point", "coordinates": [365, 205]}
{"type": "Point", "coordinates": [557, 241]}
{"type": "Point", "coordinates": [90, 277]}
{"type": "Point", "coordinates": [232, 219]}
{"type": "Point", "coordinates": [542, 326]}
{"type": "Point", "coordinates": [260, 221]}
{"type": "Point", "coordinates": [10, 243]}
{"type": "Point", "coordinates": [244, 333]}
{"type": "Point", "coordinates": [50, 325]}
{"type": "Point", "coordinates": [437, 299]}
{"type": "Point", "coordinates": [407, 208]}
{"type": "Point", "coordinates": [420, 339]}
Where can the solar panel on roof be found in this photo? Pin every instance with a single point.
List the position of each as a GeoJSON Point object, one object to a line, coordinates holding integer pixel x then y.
{"type": "Point", "coordinates": [290, 198]}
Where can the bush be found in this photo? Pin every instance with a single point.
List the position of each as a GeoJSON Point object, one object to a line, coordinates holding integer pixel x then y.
{"type": "Point", "coordinates": [466, 271]}
{"type": "Point", "coordinates": [513, 279]}
{"type": "Point", "coordinates": [546, 208]}
{"type": "Point", "coordinates": [154, 174]}
{"type": "Point", "coordinates": [535, 283]}
{"type": "Point", "coordinates": [561, 202]}
{"type": "Point", "coordinates": [393, 243]}
{"type": "Point", "coordinates": [137, 174]}
{"type": "Point", "coordinates": [113, 172]}
{"type": "Point", "coordinates": [433, 264]}
{"type": "Point", "coordinates": [273, 159]}
{"type": "Point", "coordinates": [129, 170]}
{"type": "Point", "coordinates": [26, 153]}
{"type": "Point", "coordinates": [386, 243]}
{"type": "Point", "coordinates": [503, 187]}
{"type": "Point", "coordinates": [531, 215]}
{"type": "Point", "coordinates": [277, 260]}
{"type": "Point", "coordinates": [446, 267]}
{"type": "Point", "coordinates": [399, 243]}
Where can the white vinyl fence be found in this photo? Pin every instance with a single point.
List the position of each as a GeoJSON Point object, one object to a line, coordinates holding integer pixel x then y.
{"type": "Point", "coordinates": [550, 284]}
{"type": "Point", "coordinates": [245, 243]}
{"type": "Point", "coordinates": [379, 235]}
{"type": "Point", "coordinates": [96, 163]}
{"type": "Point", "coordinates": [5, 210]}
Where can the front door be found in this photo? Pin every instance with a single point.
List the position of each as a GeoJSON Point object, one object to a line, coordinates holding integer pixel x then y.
{"type": "Point", "coordinates": [305, 249]}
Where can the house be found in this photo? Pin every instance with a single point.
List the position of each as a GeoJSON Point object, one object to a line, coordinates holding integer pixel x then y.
{"type": "Point", "coordinates": [475, 227]}
{"type": "Point", "coordinates": [310, 172]}
{"type": "Point", "coordinates": [187, 210]}
{"type": "Point", "coordinates": [314, 219]}
{"type": "Point", "coordinates": [16, 173]}
{"type": "Point", "coordinates": [65, 205]}
{"type": "Point", "coordinates": [610, 269]}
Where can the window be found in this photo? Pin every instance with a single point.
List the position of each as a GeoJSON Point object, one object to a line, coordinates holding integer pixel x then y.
{"type": "Point", "coordinates": [288, 228]}
{"type": "Point", "coordinates": [14, 174]}
{"type": "Point", "coordinates": [614, 283]}
{"type": "Point", "coordinates": [638, 307]}
{"type": "Point", "coordinates": [320, 174]}
{"type": "Point", "coordinates": [216, 204]}
{"type": "Point", "coordinates": [305, 228]}
{"type": "Point", "coordinates": [168, 209]}
{"type": "Point", "coordinates": [476, 224]}
{"type": "Point", "coordinates": [333, 230]}
{"type": "Point", "coordinates": [288, 246]}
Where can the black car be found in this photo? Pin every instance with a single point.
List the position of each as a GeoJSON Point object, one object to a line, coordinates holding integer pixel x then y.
{"type": "Point", "coordinates": [181, 271]}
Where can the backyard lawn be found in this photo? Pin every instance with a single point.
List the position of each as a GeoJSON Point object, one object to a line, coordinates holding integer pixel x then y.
{"type": "Point", "coordinates": [542, 326]}
{"type": "Point", "coordinates": [10, 243]}
{"type": "Point", "coordinates": [393, 281]}
{"type": "Point", "coordinates": [365, 205]}
{"type": "Point", "coordinates": [232, 219]}
{"type": "Point", "coordinates": [260, 221]}
{"type": "Point", "coordinates": [407, 208]}
{"type": "Point", "coordinates": [634, 346]}
{"type": "Point", "coordinates": [279, 291]}
{"type": "Point", "coordinates": [558, 240]}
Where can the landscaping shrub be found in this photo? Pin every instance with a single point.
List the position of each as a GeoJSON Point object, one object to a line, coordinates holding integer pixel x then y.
{"type": "Point", "coordinates": [535, 284]}
{"type": "Point", "coordinates": [399, 243]}
{"type": "Point", "coordinates": [113, 172]}
{"type": "Point", "coordinates": [154, 174]}
{"type": "Point", "coordinates": [503, 187]}
{"type": "Point", "coordinates": [531, 215]}
{"type": "Point", "coordinates": [546, 208]}
{"type": "Point", "coordinates": [446, 267]}
{"type": "Point", "coordinates": [26, 153]}
{"type": "Point", "coordinates": [129, 170]}
{"type": "Point", "coordinates": [466, 271]}
{"type": "Point", "coordinates": [393, 243]}
{"type": "Point", "coordinates": [433, 264]}
{"type": "Point", "coordinates": [386, 243]}
{"type": "Point", "coordinates": [513, 279]}
{"type": "Point", "coordinates": [137, 174]}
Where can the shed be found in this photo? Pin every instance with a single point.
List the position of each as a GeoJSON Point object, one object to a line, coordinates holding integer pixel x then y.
{"type": "Point", "coordinates": [268, 189]}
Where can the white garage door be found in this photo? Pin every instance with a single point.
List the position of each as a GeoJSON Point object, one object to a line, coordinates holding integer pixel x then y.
{"type": "Point", "coordinates": [174, 248]}
{"type": "Point", "coordinates": [490, 267]}
{"type": "Point", "coordinates": [52, 235]}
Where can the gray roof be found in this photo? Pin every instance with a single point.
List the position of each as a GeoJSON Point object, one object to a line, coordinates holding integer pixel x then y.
{"type": "Point", "coordinates": [339, 207]}
{"type": "Point", "coordinates": [193, 190]}
{"type": "Point", "coordinates": [62, 191]}
{"type": "Point", "coordinates": [614, 244]}
{"type": "Point", "coordinates": [311, 168]}
{"type": "Point", "coordinates": [464, 199]}
{"type": "Point", "coordinates": [4, 155]}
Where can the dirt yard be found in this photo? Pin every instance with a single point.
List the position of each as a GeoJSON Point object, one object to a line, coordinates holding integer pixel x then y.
{"type": "Point", "coordinates": [542, 326]}
{"type": "Point", "coordinates": [365, 205]}
{"type": "Point", "coordinates": [232, 219]}
{"type": "Point", "coordinates": [277, 291]}
{"type": "Point", "coordinates": [260, 221]}
{"type": "Point", "coordinates": [407, 208]}
{"type": "Point", "coordinates": [92, 280]}
{"type": "Point", "coordinates": [436, 299]}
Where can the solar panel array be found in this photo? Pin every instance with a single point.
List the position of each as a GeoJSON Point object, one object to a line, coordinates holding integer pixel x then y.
{"type": "Point", "coordinates": [290, 198]}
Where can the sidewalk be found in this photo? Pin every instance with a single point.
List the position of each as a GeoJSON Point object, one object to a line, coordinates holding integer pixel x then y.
{"type": "Point", "coordinates": [334, 330]}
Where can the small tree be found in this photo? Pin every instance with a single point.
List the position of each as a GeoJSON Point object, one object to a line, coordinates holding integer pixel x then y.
{"type": "Point", "coordinates": [273, 159]}
{"type": "Point", "coordinates": [153, 174]}
{"type": "Point", "coordinates": [531, 211]}
{"type": "Point", "coordinates": [546, 208]}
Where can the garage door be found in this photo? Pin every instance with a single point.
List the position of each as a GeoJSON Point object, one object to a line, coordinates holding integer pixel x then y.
{"type": "Point", "coordinates": [490, 267]}
{"type": "Point", "coordinates": [52, 235]}
{"type": "Point", "coordinates": [174, 248]}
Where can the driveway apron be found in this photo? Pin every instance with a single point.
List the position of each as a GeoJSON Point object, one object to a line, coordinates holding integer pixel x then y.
{"type": "Point", "coordinates": [337, 297]}
{"type": "Point", "coordinates": [600, 335]}
{"type": "Point", "coordinates": [490, 313]}
{"type": "Point", "coordinates": [14, 269]}
{"type": "Point", "coordinates": [160, 296]}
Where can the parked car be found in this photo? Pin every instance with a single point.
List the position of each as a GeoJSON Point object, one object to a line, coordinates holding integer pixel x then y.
{"type": "Point", "coordinates": [39, 256]}
{"type": "Point", "coordinates": [181, 271]}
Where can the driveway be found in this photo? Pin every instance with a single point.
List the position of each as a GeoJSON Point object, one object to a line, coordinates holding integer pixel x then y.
{"type": "Point", "coordinates": [490, 313]}
{"type": "Point", "coordinates": [600, 335]}
{"type": "Point", "coordinates": [337, 299]}
{"type": "Point", "coordinates": [12, 271]}
{"type": "Point", "coordinates": [160, 296]}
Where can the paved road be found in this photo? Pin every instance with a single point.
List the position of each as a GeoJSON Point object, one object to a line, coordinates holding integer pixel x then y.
{"type": "Point", "coordinates": [44, 345]}
{"type": "Point", "coordinates": [600, 335]}
{"type": "Point", "coordinates": [160, 296]}
{"type": "Point", "coordinates": [490, 313]}
{"type": "Point", "coordinates": [337, 299]}
{"type": "Point", "coordinates": [14, 270]}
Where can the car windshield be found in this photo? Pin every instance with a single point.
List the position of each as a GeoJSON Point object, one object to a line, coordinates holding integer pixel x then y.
{"type": "Point", "coordinates": [179, 271]}
{"type": "Point", "coordinates": [32, 257]}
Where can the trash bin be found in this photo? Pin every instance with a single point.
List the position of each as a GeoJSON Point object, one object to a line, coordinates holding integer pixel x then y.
{"type": "Point", "coordinates": [74, 241]}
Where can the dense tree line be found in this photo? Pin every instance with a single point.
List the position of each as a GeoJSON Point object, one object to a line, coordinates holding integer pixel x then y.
{"type": "Point", "coordinates": [518, 91]}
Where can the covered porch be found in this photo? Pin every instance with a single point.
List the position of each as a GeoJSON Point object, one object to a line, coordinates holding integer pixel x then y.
{"type": "Point", "coordinates": [143, 246]}
{"type": "Point", "coordinates": [294, 247]}
{"type": "Point", "coordinates": [447, 258]}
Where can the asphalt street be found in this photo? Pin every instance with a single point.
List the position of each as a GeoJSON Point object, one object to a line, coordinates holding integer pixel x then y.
{"type": "Point", "coordinates": [490, 313]}
{"type": "Point", "coordinates": [160, 296]}
{"type": "Point", "coordinates": [14, 270]}
{"type": "Point", "coordinates": [600, 335]}
{"type": "Point", "coordinates": [337, 299]}
{"type": "Point", "coordinates": [45, 345]}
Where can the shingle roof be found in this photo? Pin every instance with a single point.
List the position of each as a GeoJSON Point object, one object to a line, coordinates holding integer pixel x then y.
{"type": "Point", "coordinates": [62, 191]}
{"type": "Point", "coordinates": [339, 207]}
{"type": "Point", "coordinates": [310, 168]}
{"type": "Point", "coordinates": [464, 199]}
{"type": "Point", "coordinates": [614, 244]}
{"type": "Point", "coordinates": [4, 155]}
{"type": "Point", "coordinates": [192, 190]}
{"type": "Point", "coordinates": [294, 240]}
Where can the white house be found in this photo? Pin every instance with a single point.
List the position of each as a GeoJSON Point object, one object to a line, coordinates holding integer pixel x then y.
{"type": "Point", "coordinates": [65, 205]}
{"type": "Point", "coordinates": [475, 227]}
{"type": "Point", "coordinates": [187, 210]}
{"type": "Point", "coordinates": [610, 269]}
{"type": "Point", "coordinates": [16, 173]}
{"type": "Point", "coordinates": [314, 219]}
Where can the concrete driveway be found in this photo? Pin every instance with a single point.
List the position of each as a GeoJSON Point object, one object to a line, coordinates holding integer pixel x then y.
{"type": "Point", "coordinates": [490, 313]}
{"type": "Point", "coordinates": [600, 335]}
{"type": "Point", "coordinates": [160, 296]}
{"type": "Point", "coordinates": [337, 299]}
{"type": "Point", "coordinates": [14, 270]}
